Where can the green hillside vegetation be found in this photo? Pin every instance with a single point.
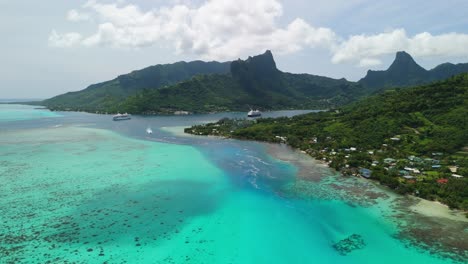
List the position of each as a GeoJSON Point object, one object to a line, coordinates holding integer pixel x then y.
{"type": "Point", "coordinates": [255, 82]}
{"type": "Point", "coordinates": [105, 96]}
{"type": "Point", "coordinates": [408, 139]}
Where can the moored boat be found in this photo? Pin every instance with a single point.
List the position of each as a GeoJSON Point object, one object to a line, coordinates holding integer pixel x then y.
{"type": "Point", "coordinates": [254, 113]}
{"type": "Point", "coordinates": [119, 117]}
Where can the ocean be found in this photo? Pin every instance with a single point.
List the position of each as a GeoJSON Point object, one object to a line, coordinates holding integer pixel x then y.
{"type": "Point", "coordinates": [81, 188]}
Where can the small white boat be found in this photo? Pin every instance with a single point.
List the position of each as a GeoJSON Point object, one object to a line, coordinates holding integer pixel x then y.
{"type": "Point", "coordinates": [149, 130]}
{"type": "Point", "coordinates": [254, 113]}
{"type": "Point", "coordinates": [120, 116]}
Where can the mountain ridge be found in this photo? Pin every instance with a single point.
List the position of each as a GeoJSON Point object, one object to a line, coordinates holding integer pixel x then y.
{"type": "Point", "coordinates": [256, 80]}
{"type": "Point", "coordinates": [404, 71]}
{"type": "Point", "coordinates": [252, 82]}
{"type": "Point", "coordinates": [101, 96]}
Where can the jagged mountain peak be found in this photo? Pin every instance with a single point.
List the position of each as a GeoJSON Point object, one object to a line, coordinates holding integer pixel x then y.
{"type": "Point", "coordinates": [259, 65]}
{"type": "Point", "coordinates": [263, 60]}
{"type": "Point", "coordinates": [403, 55]}
{"type": "Point", "coordinates": [404, 62]}
{"type": "Point", "coordinates": [404, 71]}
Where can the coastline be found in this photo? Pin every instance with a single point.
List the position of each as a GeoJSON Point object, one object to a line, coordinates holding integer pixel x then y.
{"type": "Point", "coordinates": [428, 225]}
{"type": "Point", "coordinates": [179, 131]}
{"type": "Point", "coordinates": [304, 161]}
{"type": "Point", "coordinates": [437, 209]}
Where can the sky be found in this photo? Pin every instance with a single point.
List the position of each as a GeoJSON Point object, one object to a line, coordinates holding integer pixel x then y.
{"type": "Point", "coordinates": [51, 47]}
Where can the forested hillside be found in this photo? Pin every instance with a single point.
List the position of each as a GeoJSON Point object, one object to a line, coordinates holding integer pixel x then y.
{"type": "Point", "coordinates": [104, 96]}
{"type": "Point", "coordinates": [255, 82]}
{"type": "Point", "coordinates": [414, 140]}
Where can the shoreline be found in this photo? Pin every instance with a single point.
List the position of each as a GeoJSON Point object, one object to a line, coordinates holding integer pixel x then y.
{"type": "Point", "coordinates": [173, 113]}
{"type": "Point", "coordinates": [428, 225]}
{"type": "Point", "coordinates": [423, 207]}
{"type": "Point", "coordinates": [305, 162]}
{"type": "Point", "coordinates": [437, 209]}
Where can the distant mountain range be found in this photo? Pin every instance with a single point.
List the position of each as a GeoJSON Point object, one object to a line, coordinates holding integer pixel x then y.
{"type": "Point", "coordinates": [404, 71]}
{"type": "Point", "coordinates": [255, 82]}
{"type": "Point", "coordinates": [235, 86]}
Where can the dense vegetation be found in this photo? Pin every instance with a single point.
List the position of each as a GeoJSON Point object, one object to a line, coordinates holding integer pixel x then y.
{"type": "Point", "coordinates": [105, 96]}
{"type": "Point", "coordinates": [404, 71]}
{"type": "Point", "coordinates": [411, 140]}
{"type": "Point", "coordinates": [255, 82]}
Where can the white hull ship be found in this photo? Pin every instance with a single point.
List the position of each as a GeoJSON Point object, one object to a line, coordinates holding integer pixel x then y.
{"type": "Point", "coordinates": [119, 117]}
{"type": "Point", "coordinates": [254, 113]}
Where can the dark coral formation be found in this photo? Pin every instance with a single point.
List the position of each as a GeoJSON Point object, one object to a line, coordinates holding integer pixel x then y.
{"type": "Point", "coordinates": [349, 244]}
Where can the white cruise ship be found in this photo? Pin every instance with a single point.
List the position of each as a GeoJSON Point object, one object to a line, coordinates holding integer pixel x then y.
{"type": "Point", "coordinates": [119, 117]}
{"type": "Point", "coordinates": [254, 113]}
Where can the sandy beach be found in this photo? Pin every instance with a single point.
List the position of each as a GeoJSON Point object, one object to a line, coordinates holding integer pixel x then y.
{"type": "Point", "coordinates": [177, 131]}
{"type": "Point", "coordinates": [437, 209]}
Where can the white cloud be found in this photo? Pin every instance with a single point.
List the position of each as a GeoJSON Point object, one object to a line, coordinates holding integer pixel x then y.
{"type": "Point", "coordinates": [226, 29]}
{"type": "Point", "coordinates": [64, 40]}
{"type": "Point", "coordinates": [76, 16]}
{"type": "Point", "coordinates": [366, 49]}
{"type": "Point", "coordinates": [451, 44]}
{"type": "Point", "coordinates": [217, 29]}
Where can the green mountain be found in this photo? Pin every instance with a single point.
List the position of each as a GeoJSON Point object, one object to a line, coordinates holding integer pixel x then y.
{"type": "Point", "coordinates": [404, 71]}
{"type": "Point", "coordinates": [103, 96]}
{"type": "Point", "coordinates": [255, 82]}
{"type": "Point", "coordinates": [427, 122]}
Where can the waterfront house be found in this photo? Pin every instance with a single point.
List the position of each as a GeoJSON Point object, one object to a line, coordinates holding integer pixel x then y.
{"type": "Point", "coordinates": [366, 173]}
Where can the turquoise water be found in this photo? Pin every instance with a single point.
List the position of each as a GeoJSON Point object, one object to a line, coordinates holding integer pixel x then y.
{"type": "Point", "coordinates": [76, 193]}
{"type": "Point", "coordinates": [23, 112]}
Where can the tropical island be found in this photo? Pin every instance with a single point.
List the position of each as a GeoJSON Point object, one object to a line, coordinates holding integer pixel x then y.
{"type": "Point", "coordinates": [204, 87]}
{"type": "Point", "coordinates": [413, 140]}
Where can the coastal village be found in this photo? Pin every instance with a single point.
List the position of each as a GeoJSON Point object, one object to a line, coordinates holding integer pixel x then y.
{"type": "Point", "coordinates": [409, 169]}
{"type": "Point", "coordinates": [353, 161]}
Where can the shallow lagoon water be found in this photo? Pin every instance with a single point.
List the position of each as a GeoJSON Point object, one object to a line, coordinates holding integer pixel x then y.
{"type": "Point", "coordinates": [12, 112]}
{"type": "Point", "coordinates": [79, 188]}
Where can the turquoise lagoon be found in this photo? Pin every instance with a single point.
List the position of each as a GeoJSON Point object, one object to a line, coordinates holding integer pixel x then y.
{"type": "Point", "coordinates": [79, 188]}
{"type": "Point", "coordinates": [12, 112]}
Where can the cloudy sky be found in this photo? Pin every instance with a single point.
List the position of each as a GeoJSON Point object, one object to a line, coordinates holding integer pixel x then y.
{"type": "Point", "coordinates": [54, 46]}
